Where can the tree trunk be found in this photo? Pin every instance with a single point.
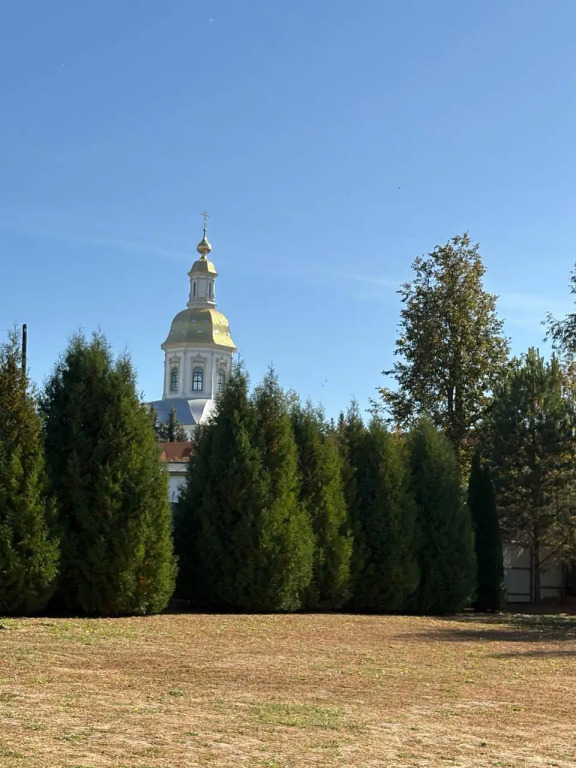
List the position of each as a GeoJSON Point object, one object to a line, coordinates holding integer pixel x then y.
{"type": "Point", "coordinates": [536, 561]}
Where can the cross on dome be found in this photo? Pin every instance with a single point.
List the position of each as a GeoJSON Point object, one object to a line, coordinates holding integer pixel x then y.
{"type": "Point", "coordinates": [206, 216]}
{"type": "Point", "coordinates": [204, 246]}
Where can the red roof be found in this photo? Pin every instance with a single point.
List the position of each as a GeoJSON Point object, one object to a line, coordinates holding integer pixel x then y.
{"type": "Point", "coordinates": [175, 452]}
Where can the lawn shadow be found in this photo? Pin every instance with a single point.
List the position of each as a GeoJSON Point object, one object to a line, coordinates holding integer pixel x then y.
{"type": "Point", "coordinates": [510, 628]}
{"type": "Point", "coordinates": [535, 654]}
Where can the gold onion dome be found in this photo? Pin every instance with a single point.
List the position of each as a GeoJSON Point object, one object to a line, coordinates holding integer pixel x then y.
{"type": "Point", "coordinates": [201, 327]}
{"type": "Point", "coordinates": [202, 264]}
{"type": "Point", "coordinates": [204, 247]}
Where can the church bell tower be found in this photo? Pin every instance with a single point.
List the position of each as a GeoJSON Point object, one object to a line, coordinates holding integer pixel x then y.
{"type": "Point", "coordinates": [198, 350]}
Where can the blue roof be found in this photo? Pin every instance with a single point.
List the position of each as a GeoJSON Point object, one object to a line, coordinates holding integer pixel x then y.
{"type": "Point", "coordinates": [188, 412]}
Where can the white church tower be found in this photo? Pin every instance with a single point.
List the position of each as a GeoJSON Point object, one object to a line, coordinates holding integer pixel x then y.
{"type": "Point", "coordinates": [198, 351]}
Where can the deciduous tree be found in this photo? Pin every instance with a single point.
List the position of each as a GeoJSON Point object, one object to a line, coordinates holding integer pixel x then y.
{"type": "Point", "coordinates": [562, 332]}
{"type": "Point", "coordinates": [451, 348]}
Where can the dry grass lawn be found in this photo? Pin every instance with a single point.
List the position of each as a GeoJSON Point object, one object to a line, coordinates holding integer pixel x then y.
{"type": "Point", "coordinates": [279, 691]}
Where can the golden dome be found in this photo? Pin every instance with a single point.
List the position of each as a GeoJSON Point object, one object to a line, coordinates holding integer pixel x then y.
{"type": "Point", "coordinates": [200, 327]}
{"type": "Point", "coordinates": [204, 246]}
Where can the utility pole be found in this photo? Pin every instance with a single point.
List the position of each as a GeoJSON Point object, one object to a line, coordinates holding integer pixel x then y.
{"type": "Point", "coordinates": [24, 347]}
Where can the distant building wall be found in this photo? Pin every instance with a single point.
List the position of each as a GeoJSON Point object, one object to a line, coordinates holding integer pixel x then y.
{"type": "Point", "coordinates": [176, 457]}
{"type": "Point", "coordinates": [176, 479]}
{"type": "Point", "coordinates": [519, 575]}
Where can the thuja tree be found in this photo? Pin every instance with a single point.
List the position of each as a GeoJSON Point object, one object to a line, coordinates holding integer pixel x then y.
{"type": "Point", "coordinates": [221, 510]}
{"type": "Point", "coordinates": [450, 348]}
{"type": "Point", "coordinates": [168, 432]}
{"type": "Point", "coordinates": [350, 436]}
{"type": "Point", "coordinates": [446, 550]}
{"type": "Point", "coordinates": [109, 485]}
{"type": "Point", "coordinates": [28, 547]}
{"type": "Point", "coordinates": [244, 541]}
{"type": "Point", "coordinates": [322, 497]}
{"type": "Point", "coordinates": [287, 541]}
{"type": "Point", "coordinates": [490, 591]}
{"type": "Point", "coordinates": [387, 567]}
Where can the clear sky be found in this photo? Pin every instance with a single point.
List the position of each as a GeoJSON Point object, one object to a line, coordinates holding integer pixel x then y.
{"type": "Point", "coordinates": [332, 142]}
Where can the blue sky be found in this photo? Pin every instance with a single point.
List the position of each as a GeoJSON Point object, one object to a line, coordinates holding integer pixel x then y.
{"type": "Point", "coordinates": [331, 141]}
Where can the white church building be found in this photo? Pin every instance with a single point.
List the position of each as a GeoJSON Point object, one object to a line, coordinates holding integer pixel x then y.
{"type": "Point", "coordinates": [198, 350]}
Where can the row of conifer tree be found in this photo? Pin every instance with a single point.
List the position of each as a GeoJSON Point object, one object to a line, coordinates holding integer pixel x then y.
{"type": "Point", "coordinates": [281, 511]}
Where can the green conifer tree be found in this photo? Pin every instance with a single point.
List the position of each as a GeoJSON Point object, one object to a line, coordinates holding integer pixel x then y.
{"type": "Point", "coordinates": [286, 535]}
{"type": "Point", "coordinates": [243, 540]}
{"type": "Point", "coordinates": [531, 429]}
{"type": "Point", "coordinates": [446, 550]}
{"type": "Point", "coordinates": [29, 550]}
{"type": "Point", "coordinates": [322, 496]}
{"type": "Point", "coordinates": [217, 515]}
{"type": "Point", "coordinates": [490, 592]}
{"type": "Point", "coordinates": [169, 432]}
{"type": "Point", "coordinates": [109, 485]}
{"type": "Point", "coordinates": [386, 521]}
{"type": "Point", "coordinates": [350, 435]}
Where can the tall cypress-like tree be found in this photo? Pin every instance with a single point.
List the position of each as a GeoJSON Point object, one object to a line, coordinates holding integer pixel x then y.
{"type": "Point", "coordinates": [29, 550]}
{"type": "Point", "coordinates": [490, 592]}
{"type": "Point", "coordinates": [388, 576]}
{"type": "Point", "coordinates": [286, 535]}
{"type": "Point", "coordinates": [446, 550]}
{"type": "Point", "coordinates": [243, 539]}
{"type": "Point", "coordinates": [322, 496]}
{"type": "Point", "coordinates": [350, 435]}
{"type": "Point", "coordinates": [110, 488]}
{"type": "Point", "coordinates": [219, 514]}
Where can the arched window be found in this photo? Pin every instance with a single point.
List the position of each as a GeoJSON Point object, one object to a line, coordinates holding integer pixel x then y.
{"type": "Point", "coordinates": [174, 379]}
{"type": "Point", "coordinates": [197, 379]}
{"type": "Point", "coordinates": [194, 289]}
{"type": "Point", "coordinates": [221, 381]}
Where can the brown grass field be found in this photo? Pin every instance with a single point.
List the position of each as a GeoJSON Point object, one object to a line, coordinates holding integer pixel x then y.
{"type": "Point", "coordinates": [280, 691]}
